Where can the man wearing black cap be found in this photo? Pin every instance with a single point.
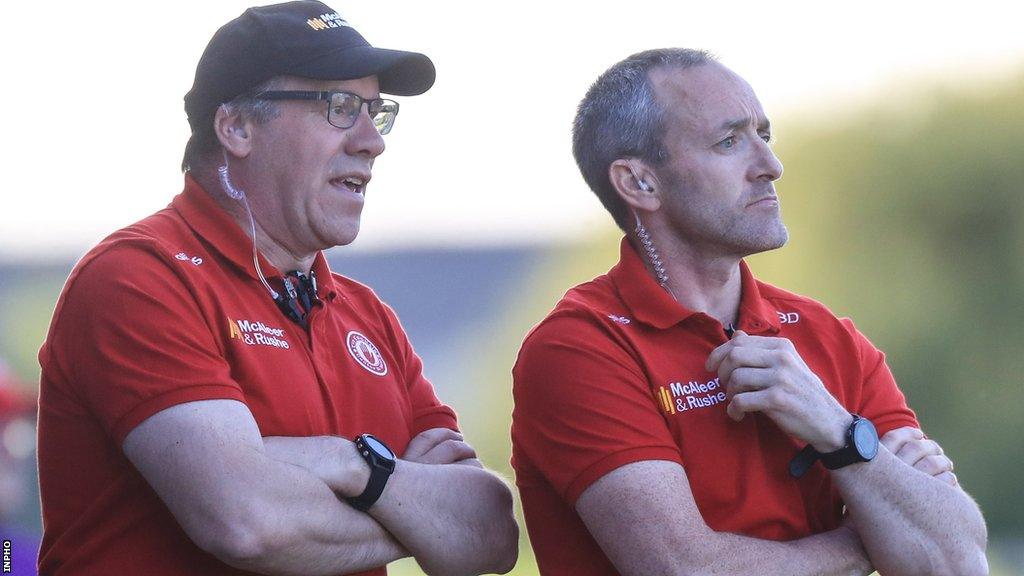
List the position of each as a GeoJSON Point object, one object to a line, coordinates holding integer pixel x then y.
{"type": "Point", "coordinates": [213, 399]}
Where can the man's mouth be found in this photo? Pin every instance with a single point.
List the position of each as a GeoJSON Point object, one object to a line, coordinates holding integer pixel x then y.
{"type": "Point", "coordinates": [765, 200]}
{"type": "Point", "coordinates": [354, 184]}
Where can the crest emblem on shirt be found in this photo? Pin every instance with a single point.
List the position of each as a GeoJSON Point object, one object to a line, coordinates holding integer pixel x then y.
{"type": "Point", "coordinates": [366, 353]}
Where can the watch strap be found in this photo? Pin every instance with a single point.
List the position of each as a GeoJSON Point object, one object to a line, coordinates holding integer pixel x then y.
{"type": "Point", "coordinates": [851, 452]}
{"type": "Point", "coordinates": [848, 454]}
{"type": "Point", "coordinates": [803, 461]}
{"type": "Point", "coordinates": [380, 471]}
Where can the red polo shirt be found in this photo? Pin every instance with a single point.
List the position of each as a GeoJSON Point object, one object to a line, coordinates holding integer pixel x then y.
{"type": "Point", "coordinates": [170, 310]}
{"type": "Point", "coordinates": [615, 374]}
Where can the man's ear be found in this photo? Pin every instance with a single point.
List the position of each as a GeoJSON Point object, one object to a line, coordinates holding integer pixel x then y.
{"type": "Point", "coordinates": [635, 183]}
{"type": "Point", "coordinates": [233, 132]}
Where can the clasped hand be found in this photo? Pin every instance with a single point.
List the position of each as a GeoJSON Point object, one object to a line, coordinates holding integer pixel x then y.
{"type": "Point", "coordinates": [440, 446]}
{"type": "Point", "coordinates": [764, 374]}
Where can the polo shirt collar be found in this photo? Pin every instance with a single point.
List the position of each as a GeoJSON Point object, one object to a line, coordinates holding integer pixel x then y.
{"type": "Point", "coordinates": [214, 225]}
{"type": "Point", "coordinates": [651, 304]}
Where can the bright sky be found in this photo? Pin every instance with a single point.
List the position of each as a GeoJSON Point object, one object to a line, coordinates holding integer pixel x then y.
{"type": "Point", "coordinates": [95, 127]}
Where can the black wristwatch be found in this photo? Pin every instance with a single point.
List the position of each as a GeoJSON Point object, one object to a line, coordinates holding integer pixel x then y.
{"type": "Point", "coordinates": [382, 463]}
{"type": "Point", "coordinates": [861, 446]}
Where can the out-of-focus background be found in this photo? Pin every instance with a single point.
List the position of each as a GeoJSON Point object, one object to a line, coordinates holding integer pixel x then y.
{"type": "Point", "coordinates": [901, 126]}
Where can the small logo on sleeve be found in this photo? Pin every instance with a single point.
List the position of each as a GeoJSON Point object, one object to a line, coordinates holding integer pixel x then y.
{"type": "Point", "coordinates": [366, 353]}
{"type": "Point", "coordinates": [185, 258]}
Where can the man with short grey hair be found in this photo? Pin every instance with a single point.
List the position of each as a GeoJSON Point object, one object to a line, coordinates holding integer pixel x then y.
{"type": "Point", "coordinates": [678, 416]}
{"type": "Point", "coordinates": [214, 400]}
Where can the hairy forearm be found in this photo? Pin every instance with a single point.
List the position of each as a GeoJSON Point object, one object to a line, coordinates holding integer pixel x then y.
{"type": "Point", "coordinates": [834, 553]}
{"type": "Point", "coordinates": [305, 529]}
{"type": "Point", "coordinates": [453, 518]}
{"type": "Point", "coordinates": [911, 522]}
{"type": "Point", "coordinates": [838, 552]}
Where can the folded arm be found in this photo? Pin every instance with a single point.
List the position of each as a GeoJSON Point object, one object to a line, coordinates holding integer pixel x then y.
{"type": "Point", "coordinates": [451, 514]}
{"type": "Point", "coordinates": [904, 514]}
{"type": "Point", "coordinates": [644, 517]}
{"type": "Point", "coordinates": [912, 517]}
{"type": "Point", "coordinates": [207, 462]}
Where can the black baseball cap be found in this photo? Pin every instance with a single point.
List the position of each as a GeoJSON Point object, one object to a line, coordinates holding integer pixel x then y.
{"type": "Point", "coordinates": [303, 38]}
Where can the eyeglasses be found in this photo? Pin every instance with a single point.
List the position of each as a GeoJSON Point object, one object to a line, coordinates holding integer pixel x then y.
{"type": "Point", "coordinates": [344, 108]}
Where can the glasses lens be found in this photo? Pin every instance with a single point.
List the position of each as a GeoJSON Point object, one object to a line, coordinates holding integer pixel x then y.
{"type": "Point", "coordinates": [344, 109]}
{"type": "Point", "coordinates": [383, 113]}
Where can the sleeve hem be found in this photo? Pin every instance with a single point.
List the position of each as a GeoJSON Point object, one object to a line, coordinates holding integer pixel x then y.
{"type": "Point", "coordinates": [438, 419]}
{"type": "Point", "coordinates": [888, 425]}
{"type": "Point", "coordinates": [616, 460]}
{"type": "Point", "coordinates": [125, 424]}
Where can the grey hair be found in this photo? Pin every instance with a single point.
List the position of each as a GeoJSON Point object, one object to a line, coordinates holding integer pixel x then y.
{"type": "Point", "coordinates": [203, 142]}
{"type": "Point", "coordinates": [620, 118]}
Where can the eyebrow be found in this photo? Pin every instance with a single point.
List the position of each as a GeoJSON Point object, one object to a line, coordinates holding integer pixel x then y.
{"type": "Point", "coordinates": [764, 126]}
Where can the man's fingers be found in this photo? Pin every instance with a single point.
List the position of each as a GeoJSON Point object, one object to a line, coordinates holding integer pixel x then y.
{"type": "Point", "coordinates": [717, 355]}
{"type": "Point", "coordinates": [448, 452]}
{"type": "Point", "coordinates": [438, 435]}
{"type": "Point", "coordinates": [474, 462]}
{"type": "Point", "coordinates": [746, 379]}
{"type": "Point", "coordinates": [895, 439]}
{"type": "Point", "coordinates": [423, 442]}
{"type": "Point", "coordinates": [748, 402]}
{"type": "Point", "coordinates": [741, 339]}
{"type": "Point", "coordinates": [934, 465]}
{"type": "Point", "coordinates": [914, 450]}
{"type": "Point", "coordinates": [744, 357]}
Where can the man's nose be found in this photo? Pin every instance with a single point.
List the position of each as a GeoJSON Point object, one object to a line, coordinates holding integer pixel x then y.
{"type": "Point", "coordinates": [363, 137]}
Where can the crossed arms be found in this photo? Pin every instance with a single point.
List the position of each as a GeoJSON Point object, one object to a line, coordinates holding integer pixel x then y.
{"type": "Point", "coordinates": [907, 515]}
{"type": "Point", "coordinates": [272, 505]}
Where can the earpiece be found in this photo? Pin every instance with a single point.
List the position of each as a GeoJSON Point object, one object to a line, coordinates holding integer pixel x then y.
{"type": "Point", "coordinates": [225, 180]}
{"type": "Point", "coordinates": [642, 184]}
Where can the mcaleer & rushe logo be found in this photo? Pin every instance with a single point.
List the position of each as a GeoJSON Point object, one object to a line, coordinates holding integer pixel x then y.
{"type": "Point", "coordinates": [255, 333]}
{"type": "Point", "coordinates": [325, 21]}
{"type": "Point", "coordinates": [680, 397]}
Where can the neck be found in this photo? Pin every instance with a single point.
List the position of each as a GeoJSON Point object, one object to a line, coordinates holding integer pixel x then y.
{"type": "Point", "coordinates": [275, 252]}
{"type": "Point", "coordinates": [698, 281]}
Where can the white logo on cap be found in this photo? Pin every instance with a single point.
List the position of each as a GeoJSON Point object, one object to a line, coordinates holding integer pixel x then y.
{"type": "Point", "coordinates": [325, 21]}
{"type": "Point", "coordinates": [366, 353]}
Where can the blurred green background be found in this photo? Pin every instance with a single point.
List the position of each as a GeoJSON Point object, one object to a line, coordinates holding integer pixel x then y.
{"type": "Point", "coordinates": [908, 218]}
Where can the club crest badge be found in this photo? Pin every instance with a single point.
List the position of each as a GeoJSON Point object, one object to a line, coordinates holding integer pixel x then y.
{"type": "Point", "coordinates": [366, 353]}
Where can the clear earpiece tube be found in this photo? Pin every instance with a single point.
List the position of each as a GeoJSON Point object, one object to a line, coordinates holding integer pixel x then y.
{"type": "Point", "coordinates": [237, 194]}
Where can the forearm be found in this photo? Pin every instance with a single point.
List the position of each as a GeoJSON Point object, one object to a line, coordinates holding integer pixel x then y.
{"type": "Point", "coordinates": [911, 522]}
{"type": "Point", "coordinates": [838, 552]}
{"type": "Point", "coordinates": [453, 518]}
{"type": "Point", "coordinates": [305, 529]}
{"type": "Point", "coordinates": [835, 553]}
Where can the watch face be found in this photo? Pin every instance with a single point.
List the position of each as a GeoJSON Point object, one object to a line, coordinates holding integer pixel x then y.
{"type": "Point", "coordinates": [378, 447]}
{"type": "Point", "coordinates": [865, 438]}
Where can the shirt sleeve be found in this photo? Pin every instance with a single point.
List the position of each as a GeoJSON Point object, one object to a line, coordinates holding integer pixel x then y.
{"type": "Point", "coordinates": [583, 407]}
{"type": "Point", "coordinates": [881, 400]}
{"type": "Point", "coordinates": [427, 410]}
{"type": "Point", "coordinates": [132, 342]}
